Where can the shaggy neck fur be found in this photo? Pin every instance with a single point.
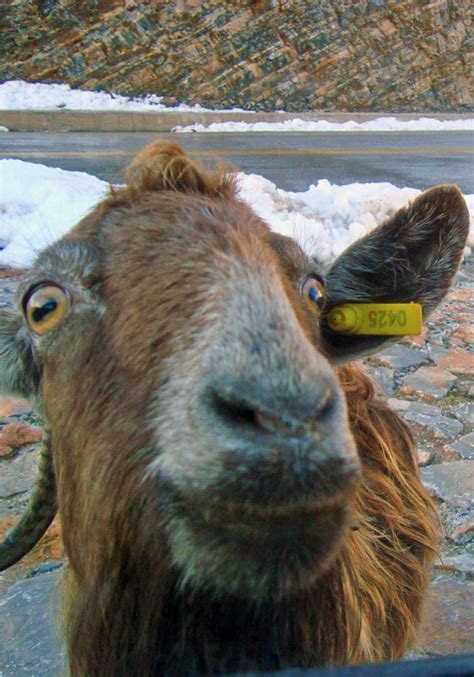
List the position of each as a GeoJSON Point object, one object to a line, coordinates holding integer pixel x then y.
{"type": "Point", "coordinates": [191, 634]}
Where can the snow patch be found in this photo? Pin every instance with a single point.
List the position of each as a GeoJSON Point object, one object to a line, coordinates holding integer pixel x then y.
{"type": "Point", "coordinates": [380, 124]}
{"type": "Point", "coordinates": [39, 204]}
{"type": "Point", "coordinates": [21, 95]}
{"type": "Point", "coordinates": [328, 218]}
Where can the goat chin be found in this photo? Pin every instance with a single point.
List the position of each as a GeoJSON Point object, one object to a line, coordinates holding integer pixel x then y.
{"type": "Point", "coordinates": [264, 523]}
{"type": "Point", "coordinates": [255, 556]}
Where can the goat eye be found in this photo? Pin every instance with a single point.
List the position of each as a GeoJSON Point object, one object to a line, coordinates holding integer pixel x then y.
{"type": "Point", "coordinates": [45, 307]}
{"type": "Point", "coordinates": [312, 290]}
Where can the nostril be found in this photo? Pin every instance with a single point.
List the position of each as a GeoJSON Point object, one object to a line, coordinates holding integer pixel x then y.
{"type": "Point", "coordinates": [233, 412]}
{"type": "Point", "coordinates": [287, 418]}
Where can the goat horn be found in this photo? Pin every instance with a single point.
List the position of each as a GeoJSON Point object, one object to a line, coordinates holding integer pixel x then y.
{"type": "Point", "coordinates": [39, 512]}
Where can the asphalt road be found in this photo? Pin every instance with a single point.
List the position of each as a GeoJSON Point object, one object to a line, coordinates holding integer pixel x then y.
{"type": "Point", "coordinates": [293, 160]}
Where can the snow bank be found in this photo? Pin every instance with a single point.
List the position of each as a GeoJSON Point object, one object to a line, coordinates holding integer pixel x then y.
{"type": "Point", "coordinates": [381, 124]}
{"type": "Point", "coordinates": [327, 218]}
{"type": "Point", "coordinates": [20, 95]}
{"type": "Point", "coordinates": [38, 204]}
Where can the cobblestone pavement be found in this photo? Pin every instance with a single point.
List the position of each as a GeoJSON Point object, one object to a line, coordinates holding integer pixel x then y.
{"type": "Point", "coordinates": [429, 379]}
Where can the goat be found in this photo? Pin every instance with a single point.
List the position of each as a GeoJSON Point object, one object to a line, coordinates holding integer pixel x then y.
{"type": "Point", "coordinates": [234, 494]}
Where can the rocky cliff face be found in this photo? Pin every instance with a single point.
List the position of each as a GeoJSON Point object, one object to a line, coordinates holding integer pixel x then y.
{"type": "Point", "coordinates": [403, 55]}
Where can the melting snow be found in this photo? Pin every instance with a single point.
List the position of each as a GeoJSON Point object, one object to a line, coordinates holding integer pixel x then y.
{"type": "Point", "coordinates": [380, 124]}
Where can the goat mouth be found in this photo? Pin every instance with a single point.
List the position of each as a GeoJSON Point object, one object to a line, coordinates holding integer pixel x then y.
{"type": "Point", "coordinates": [275, 526]}
{"type": "Point", "coordinates": [240, 519]}
{"type": "Point", "coordinates": [257, 553]}
{"type": "Point", "coordinates": [232, 499]}
{"type": "Point", "coordinates": [276, 478]}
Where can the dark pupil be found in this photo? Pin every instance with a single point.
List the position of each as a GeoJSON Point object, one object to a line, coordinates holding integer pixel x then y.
{"type": "Point", "coordinates": [313, 294]}
{"type": "Point", "coordinates": [48, 307]}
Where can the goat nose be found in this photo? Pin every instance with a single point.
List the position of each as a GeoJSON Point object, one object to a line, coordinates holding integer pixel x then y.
{"type": "Point", "coordinates": [277, 448]}
{"type": "Point", "coordinates": [250, 409]}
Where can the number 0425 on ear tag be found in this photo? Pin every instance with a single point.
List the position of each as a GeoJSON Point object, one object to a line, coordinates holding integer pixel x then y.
{"type": "Point", "coordinates": [383, 319]}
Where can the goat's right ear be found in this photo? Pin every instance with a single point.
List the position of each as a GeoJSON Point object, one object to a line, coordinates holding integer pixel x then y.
{"type": "Point", "coordinates": [19, 374]}
{"type": "Point", "coordinates": [165, 166]}
{"type": "Point", "coordinates": [411, 257]}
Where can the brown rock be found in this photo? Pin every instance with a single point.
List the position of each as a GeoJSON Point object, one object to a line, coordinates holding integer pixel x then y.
{"type": "Point", "coordinates": [446, 454]}
{"type": "Point", "coordinates": [417, 341]}
{"type": "Point", "coordinates": [457, 361]}
{"type": "Point", "coordinates": [50, 547]}
{"type": "Point", "coordinates": [460, 295]}
{"type": "Point", "coordinates": [11, 272]}
{"type": "Point", "coordinates": [447, 627]}
{"type": "Point", "coordinates": [462, 317]}
{"type": "Point", "coordinates": [461, 531]}
{"type": "Point", "coordinates": [5, 450]}
{"type": "Point", "coordinates": [428, 383]}
{"type": "Point", "coordinates": [387, 27]}
{"type": "Point", "coordinates": [10, 406]}
{"type": "Point", "coordinates": [17, 434]}
{"type": "Point", "coordinates": [452, 307]}
{"type": "Point", "coordinates": [465, 334]}
{"type": "Point", "coordinates": [425, 456]}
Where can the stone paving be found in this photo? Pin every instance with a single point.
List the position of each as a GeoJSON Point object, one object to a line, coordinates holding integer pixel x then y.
{"type": "Point", "coordinates": [429, 379]}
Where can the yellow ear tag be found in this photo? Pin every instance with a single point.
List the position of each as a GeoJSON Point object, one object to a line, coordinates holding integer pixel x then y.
{"type": "Point", "coordinates": [377, 319]}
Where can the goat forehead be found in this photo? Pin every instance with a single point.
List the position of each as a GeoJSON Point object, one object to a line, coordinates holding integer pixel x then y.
{"type": "Point", "coordinates": [180, 234]}
{"type": "Point", "coordinates": [164, 267]}
{"type": "Point", "coordinates": [180, 228]}
{"type": "Point", "coordinates": [166, 214]}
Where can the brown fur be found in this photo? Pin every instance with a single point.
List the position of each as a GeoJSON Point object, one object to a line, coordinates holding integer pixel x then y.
{"type": "Point", "coordinates": [128, 616]}
{"type": "Point", "coordinates": [126, 609]}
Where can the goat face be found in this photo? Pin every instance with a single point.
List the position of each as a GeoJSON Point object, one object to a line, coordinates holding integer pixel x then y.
{"type": "Point", "coordinates": [255, 453]}
{"type": "Point", "coordinates": [195, 415]}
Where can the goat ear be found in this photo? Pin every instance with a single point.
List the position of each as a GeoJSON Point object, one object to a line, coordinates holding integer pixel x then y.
{"type": "Point", "coordinates": [411, 257]}
{"type": "Point", "coordinates": [165, 166]}
{"type": "Point", "coordinates": [19, 373]}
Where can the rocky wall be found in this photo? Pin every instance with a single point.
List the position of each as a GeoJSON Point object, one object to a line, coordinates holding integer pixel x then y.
{"type": "Point", "coordinates": [372, 55]}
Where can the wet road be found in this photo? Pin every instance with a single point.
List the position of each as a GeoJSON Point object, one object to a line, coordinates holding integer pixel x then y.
{"type": "Point", "coordinates": [292, 160]}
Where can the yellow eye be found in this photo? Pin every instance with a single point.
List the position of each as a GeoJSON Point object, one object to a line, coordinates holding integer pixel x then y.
{"type": "Point", "coordinates": [45, 307]}
{"type": "Point", "coordinates": [312, 290]}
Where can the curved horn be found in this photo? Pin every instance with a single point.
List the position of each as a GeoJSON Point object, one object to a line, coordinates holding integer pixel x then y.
{"type": "Point", "coordinates": [39, 512]}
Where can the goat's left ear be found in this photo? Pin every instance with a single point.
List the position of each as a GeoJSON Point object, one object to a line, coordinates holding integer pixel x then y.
{"type": "Point", "coordinates": [411, 257]}
{"type": "Point", "coordinates": [19, 375]}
